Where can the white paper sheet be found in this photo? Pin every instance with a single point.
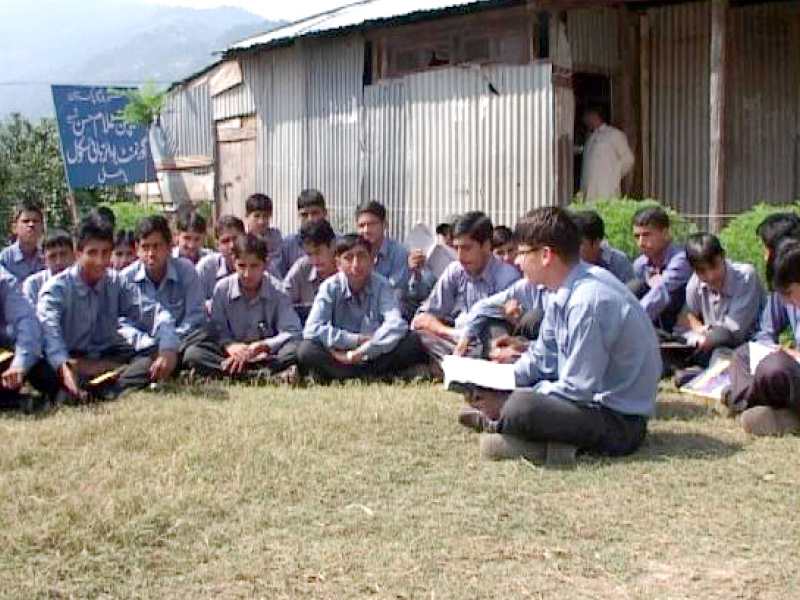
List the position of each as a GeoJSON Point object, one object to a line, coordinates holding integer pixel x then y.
{"type": "Point", "coordinates": [420, 238]}
{"type": "Point", "coordinates": [483, 373]}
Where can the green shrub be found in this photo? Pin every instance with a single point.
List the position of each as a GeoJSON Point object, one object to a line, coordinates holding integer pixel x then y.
{"type": "Point", "coordinates": [129, 214]}
{"type": "Point", "coordinates": [618, 217]}
{"type": "Point", "coordinates": [739, 236]}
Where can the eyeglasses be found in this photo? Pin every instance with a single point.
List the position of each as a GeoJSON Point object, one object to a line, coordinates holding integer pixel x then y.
{"type": "Point", "coordinates": [523, 251]}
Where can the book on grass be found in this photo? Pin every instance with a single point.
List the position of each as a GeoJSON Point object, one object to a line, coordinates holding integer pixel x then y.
{"type": "Point", "coordinates": [461, 374]}
{"type": "Point", "coordinates": [711, 383]}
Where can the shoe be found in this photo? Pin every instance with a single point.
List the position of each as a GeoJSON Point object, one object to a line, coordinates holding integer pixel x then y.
{"type": "Point", "coordinates": [477, 420]}
{"type": "Point", "coordinates": [765, 420]}
{"type": "Point", "coordinates": [498, 446]}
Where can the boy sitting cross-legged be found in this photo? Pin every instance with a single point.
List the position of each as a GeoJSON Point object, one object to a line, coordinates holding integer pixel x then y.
{"type": "Point", "coordinates": [255, 326]}
{"type": "Point", "coordinates": [80, 309]}
{"type": "Point", "coordinates": [355, 329]}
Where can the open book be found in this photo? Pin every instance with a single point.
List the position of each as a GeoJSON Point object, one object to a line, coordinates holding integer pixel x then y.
{"type": "Point", "coordinates": [463, 373]}
{"type": "Point", "coordinates": [759, 352]}
{"type": "Point", "coordinates": [437, 256]}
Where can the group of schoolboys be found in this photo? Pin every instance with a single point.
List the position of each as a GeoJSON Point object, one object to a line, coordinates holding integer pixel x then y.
{"type": "Point", "coordinates": [579, 322]}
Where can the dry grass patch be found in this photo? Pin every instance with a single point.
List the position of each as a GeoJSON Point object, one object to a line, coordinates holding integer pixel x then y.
{"type": "Point", "coordinates": [375, 491]}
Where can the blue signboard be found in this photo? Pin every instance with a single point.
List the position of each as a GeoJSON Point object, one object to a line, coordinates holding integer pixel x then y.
{"type": "Point", "coordinates": [99, 148]}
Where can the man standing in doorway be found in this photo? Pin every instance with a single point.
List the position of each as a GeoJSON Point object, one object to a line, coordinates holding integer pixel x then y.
{"type": "Point", "coordinates": [607, 158]}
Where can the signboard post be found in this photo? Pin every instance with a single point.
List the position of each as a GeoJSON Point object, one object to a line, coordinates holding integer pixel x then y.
{"type": "Point", "coordinates": [98, 147]}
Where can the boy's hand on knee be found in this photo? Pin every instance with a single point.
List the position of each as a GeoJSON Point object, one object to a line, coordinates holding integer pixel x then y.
{"type": "Point", "coordinates": [163, 365]}
{"type": "Point", "coordinates": [70, 383]}
{"type": "Point", "coordinates": [13, 377]}
{"type": "Point", "coordinates": [462, 346]}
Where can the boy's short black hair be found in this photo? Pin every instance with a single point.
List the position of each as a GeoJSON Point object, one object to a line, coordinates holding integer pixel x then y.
{"type": "Point", "coordinates": [191, 221]}
{"type": "Point", "coordinates": [251, 244]}
{"type": "Point", "coordinates": [258, 202]}
{"type": "Point", "coordinates": [651, 216]}
{"type": "Point", "coordinates": [94, 228]}
{"type": "Point", "coordinates": [703, 250]}
{"type": "Point", "coordinates": [317, 234]}
{"type": "Point", "coordinates": [57, 238]}
{"type": "Point", "coordinates": [106, 214]}
{"type": "Point", "coordinates": [475, 225]}
{"type": "Point", "coordinates": [154, 224]}
{"type": "Point", "coordinates": [590, 225]}
{"type": "Point", "coordinates": [550, 226]}
{"type": "Point", "coordinates": [372, 207]}
{"type": "Point", "coordinates": [229, 222]}
{"type": "Point", "coordinates": [124, 237]}
{"type": "Point", "coordinates": [502, 235]}
{"type": "Point", "coordinates": [309, 198]}
{"type": "Point", "coordinates": [445, 226]}
{"type": "Point", "coordinates": [787, 265]}
{"type": "Point", "coordinates": [347, 242]}
{"type": "Point", "coordinates": [776, 227]}
{"type": "Point", "coordinates": [28, 205]}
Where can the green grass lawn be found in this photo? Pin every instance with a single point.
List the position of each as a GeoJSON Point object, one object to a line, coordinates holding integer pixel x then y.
{"type": "Point", "coordinates": [375, 491]}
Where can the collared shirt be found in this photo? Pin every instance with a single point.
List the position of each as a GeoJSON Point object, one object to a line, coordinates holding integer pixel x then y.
{"type": "Point", "coordinates": [607, 158]}
{"type": "Point", "coordinates": [179, 292]}
{"type": "Point", "coordinates": [210, 270]}
{"type": "Point", "coordinates": [617, 262]}
{"type": "Point", "coordinates": [78, 318]}
{"type": "Point", "coordinates": [666, 281]}
{"type": "Point", "coordinates": [302, 282]}
{"type": "Point", "coordinates": [529, 295]}
{"type": "Point", "coordinates": [13, 259]}
{"type": "Point", "coordinates": [421, 284]}
{"type": "Point", "coordinates": [19, 317]}
{"type": "Point", "coordinates": [457, 291]}
{"type": "Point", "coordinates": [267, 317]}
{"type": "Point", "coordinates": [736, 308]}
{"type": "Point", "coordinates": [34, 284]}
{"type": "Point", "coordinates": [176, 253]}
{"type": "Point", "coordinates": [291, 251]}
{"type": "Point", "coordinates": [338, 317]}
{"type": "Point", "coordinates": [391, 261]}
{"type": "Point", "coordinates": [596, 345]}
{"type": "Point", "coordinates": [775, 318]}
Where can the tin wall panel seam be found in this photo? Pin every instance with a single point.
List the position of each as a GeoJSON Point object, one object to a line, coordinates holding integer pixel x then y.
{"type": "Point", "coordinates": [187, 122]}
{"type": "Point", "coordinates": [593, 37]}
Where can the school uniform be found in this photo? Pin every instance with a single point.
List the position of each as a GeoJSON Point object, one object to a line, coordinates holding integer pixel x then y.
{"type": "Point", "coordinates": [391, 261]}
{"type": "Point", "coordinates": [337, 319]}
{"type": "Point", "coordinates": [301, 284]}
{"type": "Point", "coordinates": [591, 378]}
{"type": "Point", "coordinates": [15, 262]}
{"type": "Point", "coordinates": [210, 270]}
{"type": "Point", "coordinates": [34, 284]}
{"type": "Point", "coordinates": [179, 292]}
{"type": "Point", "coordinates": [176, 253]}
{"type": "Point", "coordinates": [79, 320]}
{"type": "Point", "coordinates": [235, 318]}
{"type": "Point", "coordinates": [662, 287]}
{"type": "Point", "coordinates": [290, 252]}
{"type": "Point", "coordinates": [17, 317]}
{"type": "Point", "coordinates": [617, 262]}
{"type": "Point", "coordinates": [776, 381]}
{"type": "Point", "coordinates": [420, 286]}
{"type": "Point", "coordinates": [455, 294]}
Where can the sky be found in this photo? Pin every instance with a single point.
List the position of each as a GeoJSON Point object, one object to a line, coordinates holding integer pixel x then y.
{"type": "Point", "coordinates": [270, 9]}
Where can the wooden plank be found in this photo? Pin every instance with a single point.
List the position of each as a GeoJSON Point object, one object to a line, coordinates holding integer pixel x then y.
{"type": "Point", "coordinates": [718, 88]}
{"type": "Point", "coordinates": [630, 123]}
{"type": "Point", "coordinates": [644, 94]}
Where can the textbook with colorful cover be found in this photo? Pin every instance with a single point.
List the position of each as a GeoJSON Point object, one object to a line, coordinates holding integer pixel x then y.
{"type": "Point", "coordinates": [461, 374]}
{"type": "Point", "coordinates": [711, 383]}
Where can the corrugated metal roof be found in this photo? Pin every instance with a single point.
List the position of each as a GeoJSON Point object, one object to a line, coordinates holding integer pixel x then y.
{"type": "Point", "coordinates": [356, 14]}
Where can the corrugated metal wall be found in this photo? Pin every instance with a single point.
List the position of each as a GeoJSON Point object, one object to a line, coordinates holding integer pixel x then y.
{"type": "Point", "coordinates": [239, 100]}
{"type": "Point", "coordinates": [187, 122]}
{"type": "Point", "coordinates": [679, 106]}
{"type": "Point", "coordinates": [593, 37]}
{"type": "Point", "coordinates": [762, 116]}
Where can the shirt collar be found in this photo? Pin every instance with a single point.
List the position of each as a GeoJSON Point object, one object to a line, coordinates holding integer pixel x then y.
{"type": "Point", "coordinates": [236, 289]}
{"type": "Point", "coordinates": [366, 292]}
{"type": "Point", "coordinates": [488, 272]}
{"type": "Point", "coordinates": [563, 293]}
{"type": "Point", "coordinates": [669, 252]}
{"type": "Point", "coordinates": [222, 267]}
{"type": "Point", "coordinates": [18, 255]}
{"type": "Point", "coordinates": [141, 273]}
{"type": "Point", "coordinates": [83, 288]}
{"type": "Point", "coordinates": [728, 285]}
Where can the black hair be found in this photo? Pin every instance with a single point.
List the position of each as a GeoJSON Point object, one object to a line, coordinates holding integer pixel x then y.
{"type": "Point", "coordinates": [94, 228]}
{"type": "Point", "coordinates": [56, 238]}
{"type": "Point", "coordinates": [317, 234]}
{"type": "Point", "coordinates": [28, 205]}
{"type": "Point", "coordinates": [309, 198]}
{"type": "Point", "coordinates": [154, 224]}
{"type": "Point", "coordinates": [775, 227]}
{"type": "Point", "coordinates": [229, 222]}
{"type": "Point", "coordinates": [703, 249]}
{"type": "Point", "coordinates": [124, 237]}
{"type": "Point", "coordinates": [106, 214]}
{"type": "Point", "coordinates": [251, 244]}
{"type": "Point", "coordinates": [475, 225]}
{"type": "Point", "coordinates": [651, 216]}
{"type": "Point", "coordinates": [191, 221]}
{"type": "Point", "coordinates": [550, 226]}
{"type": "Point", "coordinates": [256, 202]}
{"type": "Point", "coordinates": [372, 207]}
{"type": "Point", "coordinates": [502, 235]}
{"type": "Point", "coordinates": [590, 225]}
{"type": "Point", "coordinates": [347, 242]}
{"type": "Point", "coordinates": [787, 265]}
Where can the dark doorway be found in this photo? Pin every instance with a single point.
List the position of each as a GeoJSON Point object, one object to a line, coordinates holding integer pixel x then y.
{"type": "Point", "coordinates": [591, 90]}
